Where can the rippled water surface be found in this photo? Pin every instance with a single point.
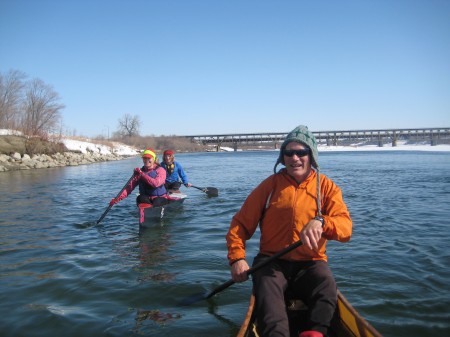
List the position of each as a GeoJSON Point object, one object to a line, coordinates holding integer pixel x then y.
{"type": "Point", "coordinates": [61, 277]}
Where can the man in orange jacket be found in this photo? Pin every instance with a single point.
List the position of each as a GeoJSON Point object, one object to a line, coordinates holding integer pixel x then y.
{"type": "Point", "coordinates": [296, 203]}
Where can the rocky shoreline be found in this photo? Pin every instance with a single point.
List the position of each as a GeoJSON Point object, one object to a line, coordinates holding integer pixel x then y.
{"type": "Point", "coordinates": [16, 161]}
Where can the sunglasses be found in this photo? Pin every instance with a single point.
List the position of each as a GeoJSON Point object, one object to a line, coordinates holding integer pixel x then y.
{"type": "Point", "coordinates": [298, 153]}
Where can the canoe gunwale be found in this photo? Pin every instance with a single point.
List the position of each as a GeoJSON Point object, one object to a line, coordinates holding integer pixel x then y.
{"type": "Point", "coordinates": [248, 318]}
{"type": "Point", "coordinates": [343, 324]}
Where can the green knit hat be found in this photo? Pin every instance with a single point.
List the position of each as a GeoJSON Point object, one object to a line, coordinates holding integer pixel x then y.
{"type": "Point", "coordinates": [302, 135]}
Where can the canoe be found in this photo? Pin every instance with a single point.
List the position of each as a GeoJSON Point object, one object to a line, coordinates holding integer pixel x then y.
{"type": "Point", "coordinates": [347, 322]}
{"type": "Point", "coordinates": [149, 214]}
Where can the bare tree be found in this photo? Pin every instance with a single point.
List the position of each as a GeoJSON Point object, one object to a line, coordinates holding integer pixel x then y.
{"type": "Point", "coordinates": [129, 126]}
{"type": "Point", "coordinates": [42, 111]}
{"type": "Point", "coordinates": [11, 96]}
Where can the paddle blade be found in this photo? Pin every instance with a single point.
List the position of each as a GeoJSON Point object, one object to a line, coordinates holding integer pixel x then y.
{"type": "Point", "coordinates": [202, 296]}
{"type": "Point", "coordinates": [211, 191]}
{"type": "Point", "coordinates": [192, 299]}
{"type": "Point", "coordinates": [86, 224]}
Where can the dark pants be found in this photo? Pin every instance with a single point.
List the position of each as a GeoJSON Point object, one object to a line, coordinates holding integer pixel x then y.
{"type": "Point", "coordinates": [158, 201]}
{"type": "Point", "coordinates": [175, 186]}
{"type": "Point", "coordinates": [310, 281]}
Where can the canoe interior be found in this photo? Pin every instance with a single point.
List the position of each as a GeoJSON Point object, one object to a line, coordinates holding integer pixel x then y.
{"type": "Point", "coordinates": [346, 322]}
{"type": "Point", "coordinates": [149, 214]}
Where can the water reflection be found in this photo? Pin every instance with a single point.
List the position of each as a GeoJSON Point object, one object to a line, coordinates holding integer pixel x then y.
{"type": "Point", "coordinates": [154, 244]}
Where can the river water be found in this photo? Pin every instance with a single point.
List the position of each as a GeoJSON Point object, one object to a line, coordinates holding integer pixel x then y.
{"type": "Point", "coordinates": [59, 276]}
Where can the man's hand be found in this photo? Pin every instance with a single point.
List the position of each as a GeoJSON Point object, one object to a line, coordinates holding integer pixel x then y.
{"type": "Point", "coordinates": [239, 271]}
{"type": "Point", "coordinates": [311, 234]}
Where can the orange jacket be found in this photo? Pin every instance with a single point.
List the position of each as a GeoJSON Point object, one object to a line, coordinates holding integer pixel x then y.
{"type": "Point", "coordinates": [283, 208]}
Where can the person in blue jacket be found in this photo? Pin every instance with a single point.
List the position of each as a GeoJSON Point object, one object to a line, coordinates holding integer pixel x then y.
{"type": "Point", "coordinates": [175, 174]}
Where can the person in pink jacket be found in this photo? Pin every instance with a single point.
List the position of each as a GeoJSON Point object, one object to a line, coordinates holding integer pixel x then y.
{"type": "Point", "coordinates": [150, 178]}
{"type": "Point", "coordinates": [296, 203]}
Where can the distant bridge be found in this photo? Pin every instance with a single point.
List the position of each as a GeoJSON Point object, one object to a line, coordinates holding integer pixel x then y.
{"type": "Point", "coordinates": [433, 136]}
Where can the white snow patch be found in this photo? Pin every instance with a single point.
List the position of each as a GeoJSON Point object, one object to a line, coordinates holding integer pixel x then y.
{"type": "Point", "coordinates": [87, 146]}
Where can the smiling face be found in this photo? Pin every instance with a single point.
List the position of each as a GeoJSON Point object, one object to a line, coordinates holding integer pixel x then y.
{"type": "Point", "coordinates": [297, 165]}
{"type": "Point", "coordinates": [148, 162]}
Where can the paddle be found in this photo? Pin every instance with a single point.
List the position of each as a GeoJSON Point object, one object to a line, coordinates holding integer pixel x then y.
{"type": "Point", "coordinates": [118, 195]}
{"type": "Point", "coordinates": [210, 191]}
{"type": "Point", "coordinates": [198, 297]}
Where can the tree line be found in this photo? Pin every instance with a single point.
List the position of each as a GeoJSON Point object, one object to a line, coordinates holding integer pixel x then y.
{"type": "Point", "coordinates": [34, 108]}
{"type": "Point", "coordinates": [28, 105]}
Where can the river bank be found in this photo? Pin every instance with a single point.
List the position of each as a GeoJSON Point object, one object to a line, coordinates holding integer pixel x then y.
{"type": "Point", "coordinates": [82, 152]}
{"type": "Point", "coordinates": [25, 162]}
{"type": "Point", "coordinates": [73, 152]}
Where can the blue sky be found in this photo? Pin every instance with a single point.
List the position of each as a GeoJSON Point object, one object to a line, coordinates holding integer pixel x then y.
{"type": "Point", "coordinates": [202, 67]}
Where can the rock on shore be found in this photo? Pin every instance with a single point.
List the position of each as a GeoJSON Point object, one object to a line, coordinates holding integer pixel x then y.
{"type": "Point", "coordinates": [13, 154]}
{"type": "Point", "coordinates": [17, 162]}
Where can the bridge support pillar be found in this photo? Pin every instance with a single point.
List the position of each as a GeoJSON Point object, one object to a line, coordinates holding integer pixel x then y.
{"type": "Point", "coordinates": [235, 147]}
{"type": "Point", "coordinates": [380, 142]}
{"type": "Point", "coordinates": [433, 141]}
{"type": "Point", "coordinates": [394, 140]}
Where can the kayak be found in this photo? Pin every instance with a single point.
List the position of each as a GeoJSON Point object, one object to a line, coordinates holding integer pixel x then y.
{"type": "Point", "coordinates": [347, 322]}
{"type": "Point", "coordinates": [149, 214]}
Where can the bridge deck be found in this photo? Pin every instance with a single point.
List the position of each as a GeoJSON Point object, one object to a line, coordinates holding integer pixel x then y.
{"type": "Point", "coordinates": [345, 137]}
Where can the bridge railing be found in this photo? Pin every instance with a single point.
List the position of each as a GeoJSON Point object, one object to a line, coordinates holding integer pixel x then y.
{"type": "Point", "coordinates": [343, 137]}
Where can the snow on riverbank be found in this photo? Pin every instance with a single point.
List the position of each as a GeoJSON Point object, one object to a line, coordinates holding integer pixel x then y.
{"type": "Point", "coordinates": [120, 149]}
{"type": "Point", "coordinates": [401, 146]}
{"type": "Point", "coordinates": [85, 147]}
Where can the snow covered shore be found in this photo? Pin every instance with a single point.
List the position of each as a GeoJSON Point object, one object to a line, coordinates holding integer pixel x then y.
{"type": "Point", "coordinates": [401, 146]}
{"type": "Point", "coordinates": [87, 152]}
{"type": "Point", "coordinates": [79, 153]}
{"type": "Point", "coordinates": [117, 149]}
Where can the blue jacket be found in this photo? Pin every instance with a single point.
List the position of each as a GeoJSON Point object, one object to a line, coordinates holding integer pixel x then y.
{"type": "Point", "coordinates": [176, 175]}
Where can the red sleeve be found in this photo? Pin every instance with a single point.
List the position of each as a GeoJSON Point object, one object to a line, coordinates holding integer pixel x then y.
{"type": "Point", "coordinates": [159, 180]}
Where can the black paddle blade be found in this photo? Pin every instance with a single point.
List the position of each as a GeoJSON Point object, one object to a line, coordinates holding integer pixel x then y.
{"type": "Point", "coordinates": [193, 299]}
{"type": "Point", "coordinates": [86, 224]}
{"type": "Point", "coordinates": [211, 191]}
{"type": "Point", "coordinates": [199, 297]}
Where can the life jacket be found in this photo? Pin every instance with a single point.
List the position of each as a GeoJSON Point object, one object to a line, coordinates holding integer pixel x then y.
{"type": "Point", "coordinates": [146, 189]}
{"type": "Point", "coordinates": [170, 168]}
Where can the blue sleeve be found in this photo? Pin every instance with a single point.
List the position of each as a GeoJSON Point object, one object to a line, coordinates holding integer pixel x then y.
{"type": "Point", "coordinates": [181, 173]}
